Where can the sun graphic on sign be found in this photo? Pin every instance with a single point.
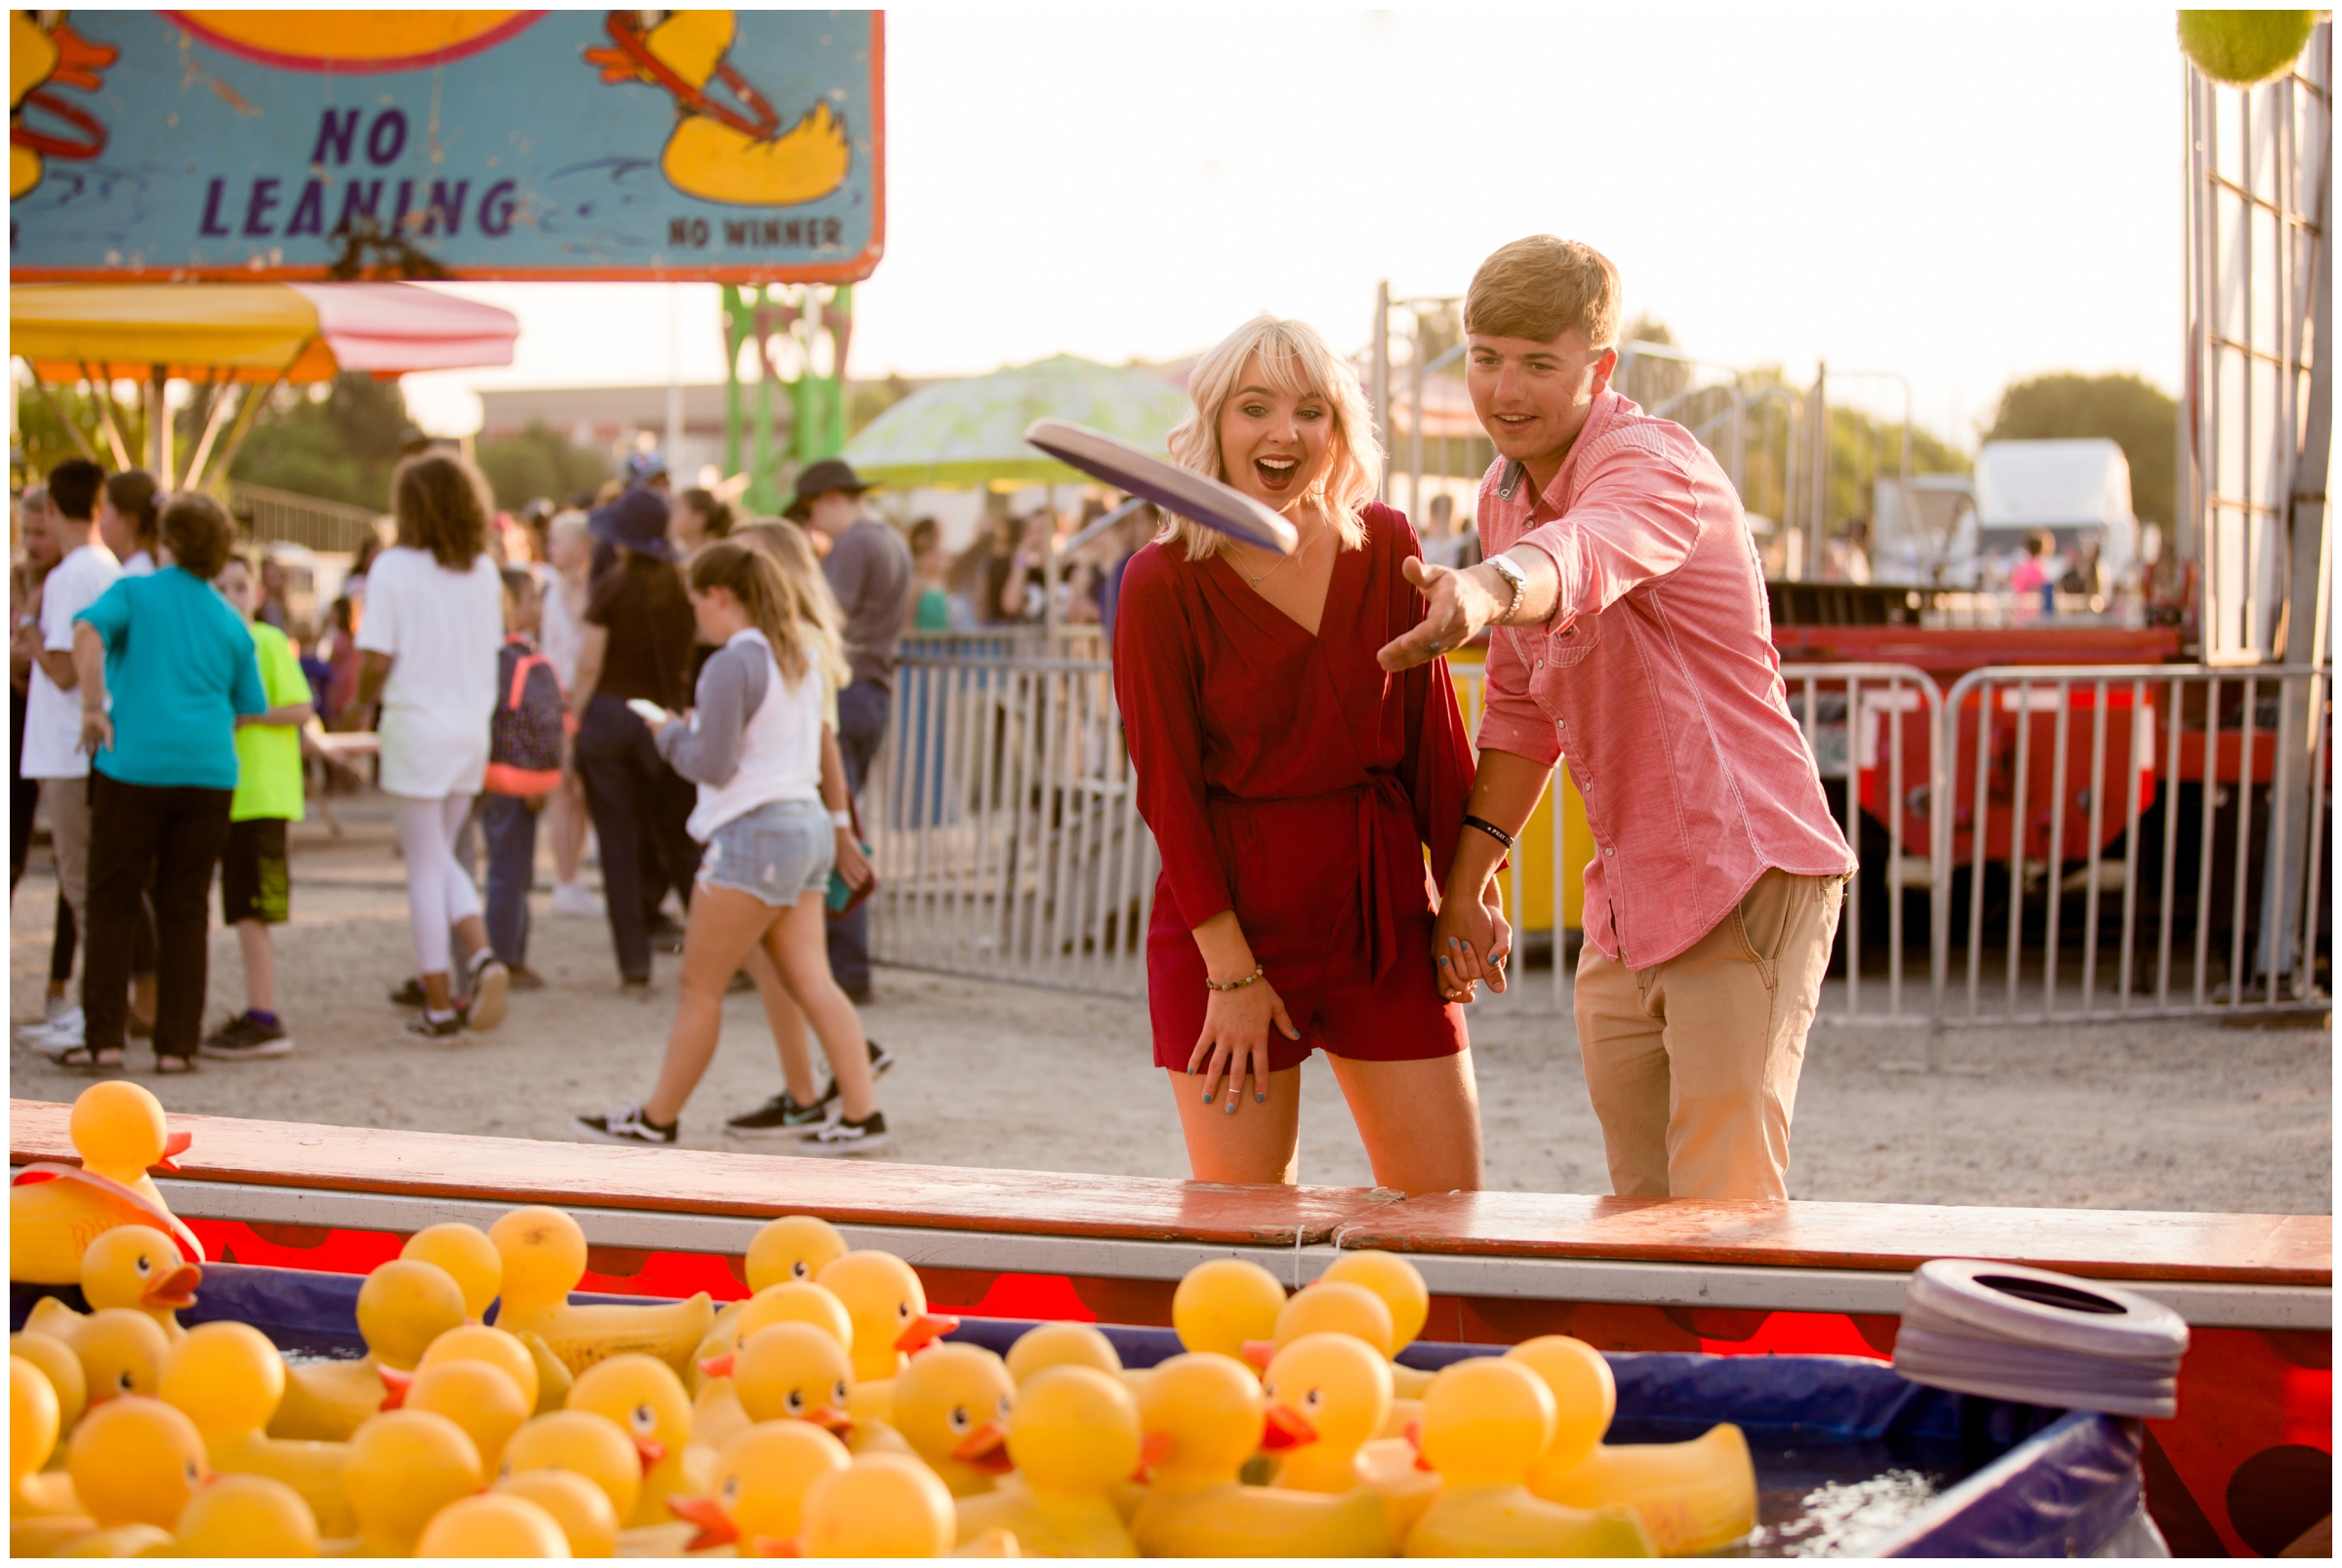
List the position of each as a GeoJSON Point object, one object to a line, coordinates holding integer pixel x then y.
{"type": "Point", "coordinates": [733, 152]}
{"type": "Point", "coordinates": [347, 42]}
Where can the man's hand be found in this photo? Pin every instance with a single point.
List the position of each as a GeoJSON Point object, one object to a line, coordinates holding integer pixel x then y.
{"type": "Point", "coordinates": [1458, 605]}
{"type": "Point", "coordinates": [1470, 941]}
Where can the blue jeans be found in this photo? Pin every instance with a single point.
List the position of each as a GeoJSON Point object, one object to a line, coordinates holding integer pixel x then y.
{"type": "Point", "coordinates": [509, 826]}
{"type": "Point", "coordinates": [861, 713]}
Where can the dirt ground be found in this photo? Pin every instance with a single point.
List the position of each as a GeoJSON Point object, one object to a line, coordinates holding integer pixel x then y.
{"type": "Point", "coordinates": [2145, 1115]}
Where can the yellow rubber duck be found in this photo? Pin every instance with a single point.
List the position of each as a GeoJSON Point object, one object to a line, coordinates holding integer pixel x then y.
{"type": "Point", "coordinates": [1061, 1345]}
{"type": "Point", "coordinates": [61, 1366]}
{"type": "Point", "coordinates": [404, 1305]}
{"type": "Point", "coordinates": [1203, 1417]}
{"type": "Point", "coordinates": [136, 1461]}
{"type": "Point", "coordinates": [54, 1211]}
{"type": "Point", "coordinates": [404, 1466]}
{"type": "Point", "coordinates": [718, 152]}
{"type": "Point", "coordinates": [122, 1351]}
{"type": "Point", "coordinates": [42, 50]}
{"type": "Point", "coordinates": [43, 1502]}
{"type": "Point", "coordinates": [951, 1405]}
{"type": "Point", "coordinates": [494, 1524]}
{"type": "Point", "coordinates": [1484, 1423]}
{"type": "Point", "coordinates": [1340, 1307]}
{"type": "Point", "coordinates": [1399, 1284]}
{"type": "Point", "coordinates": [469, 1258]}
{"type": "Point", "coordinates": [757, 1488]}
{"type": "Point", "coordinates": [581, 1444]}
{"type": "Point", "coordinates": [1328, 1395]}
{"type": "Point", "coordinates": [1222, 1304]}
{"type": "Point", "coordinates": [544, 1255]}
{"type": "Point", "coordinates": [240, 1517]}
{"type": "Point", "coordinates": [1073, 1435]}
{"type": "Point", "coordinates": [1695, 1497]}
{"type": "Point", "coordinates": [131, 1266]}
{"type": "Point", "coordinates": [716, 1415]}
{"type": "Point", "coordinates": [226, 1378]}
{"type": "Point", "coordinates": [888, 1305]}
{"type": "Point", "coordinates": [476, 1341]}
{"type": "Point", "coordinates": [121, 1540]}
{"type": "Point", "coordinates": [796, 1372]}
{"type": "Point", "coordinates": [642, 1395]}
{"type": "Point", "coordinates": [554, 1377]}
{"type": "Point", "coordinates": [879, 1505]}
{"type": "Point", "coordinates": [791, 1249]}
{"type": "Point", "coordinates": [477, 1396]}
{"type": "Point", "coordinates": [580, 1507]}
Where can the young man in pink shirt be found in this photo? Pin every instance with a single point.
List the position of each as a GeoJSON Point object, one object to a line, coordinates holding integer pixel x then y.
{"type": "Point", "coordinates": [1632, 637]}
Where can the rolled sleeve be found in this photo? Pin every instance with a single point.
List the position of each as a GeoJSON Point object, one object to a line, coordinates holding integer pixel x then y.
{"type": "Point", "coordinates": [1634, 522]}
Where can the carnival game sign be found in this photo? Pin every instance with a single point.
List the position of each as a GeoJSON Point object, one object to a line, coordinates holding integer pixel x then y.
{"type": "Point", "coordinates": [741, 145]}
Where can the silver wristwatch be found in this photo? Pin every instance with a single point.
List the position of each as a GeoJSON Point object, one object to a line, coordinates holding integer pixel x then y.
{"type": "Point", "coordinates": [1510, 570]}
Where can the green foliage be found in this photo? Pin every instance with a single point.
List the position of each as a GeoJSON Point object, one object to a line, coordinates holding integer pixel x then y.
{"type": "Point", "coordinates": [2245, 47]}
{"type": "Point", "coordinates": [867, 400]}
{"type": "Point", "coordinates": [337, 441]}
{"type": "Point", "coordinates": [45, 441]}
{"type": "Point", "coordinates": [2134, 413]}
{"type": "Point", "coordinates": [539, 462]}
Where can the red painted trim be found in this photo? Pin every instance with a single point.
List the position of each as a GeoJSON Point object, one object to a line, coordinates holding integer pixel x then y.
{"type": "Point", "coordinates": [358, 68]}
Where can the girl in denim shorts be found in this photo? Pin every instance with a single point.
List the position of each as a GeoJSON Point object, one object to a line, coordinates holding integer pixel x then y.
{"type": "Point", "coordinates": [775, 822]}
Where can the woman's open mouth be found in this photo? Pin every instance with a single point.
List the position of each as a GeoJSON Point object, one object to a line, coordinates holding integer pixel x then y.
{"type": "Point", "coordinates": [1277, 475]}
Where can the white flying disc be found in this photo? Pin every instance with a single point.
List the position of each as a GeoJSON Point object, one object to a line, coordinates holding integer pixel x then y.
{"type": "Point", "coordinates": [1222, 508]}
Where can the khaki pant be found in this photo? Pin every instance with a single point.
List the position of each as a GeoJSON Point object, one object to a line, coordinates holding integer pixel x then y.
{"type": "Point", "coordinates": [1692, 1064]}
{"type": "Point", "coordinates": [66, 803]}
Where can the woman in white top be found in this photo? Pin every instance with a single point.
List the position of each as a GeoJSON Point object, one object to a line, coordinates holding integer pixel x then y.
{"type": "Point", "coordinates": [434, 621]}
{"type": "Point", "coordinates": [568, 557]}
{"type": "Point", "coordinates": [776, 825]}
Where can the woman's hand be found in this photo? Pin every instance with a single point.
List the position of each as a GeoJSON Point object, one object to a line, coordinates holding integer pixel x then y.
{"type": "Point", "coordinates": [852, 865]}
{"type": "Point", "coordinates": [1235, 1039]}
{"type": "Point", "coordinates": [1470, 941]}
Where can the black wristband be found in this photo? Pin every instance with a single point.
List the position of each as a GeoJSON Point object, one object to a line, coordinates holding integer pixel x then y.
{"type": "Point", "coordinates": [1488, 828]}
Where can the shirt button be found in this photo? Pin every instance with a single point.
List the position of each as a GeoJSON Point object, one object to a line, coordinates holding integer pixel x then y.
{"type": "Point", "coordinates": [1560, 724]}
{"type": "Point", "coordinates": [1608, 851]}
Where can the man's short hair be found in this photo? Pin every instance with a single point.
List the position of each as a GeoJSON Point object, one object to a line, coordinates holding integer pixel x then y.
{"type": "Point", "coordinates": [74, 487]}
{"type": "Point", "coordinates": [199, 534]}
{"type": "Point", "coordinates": [1540, 287]}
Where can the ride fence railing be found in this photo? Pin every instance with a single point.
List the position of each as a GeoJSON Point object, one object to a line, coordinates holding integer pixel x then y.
{"type": "Point", "coordinates": [282, 517]}
{"type": "Point", "coordinates": [2039, 845]}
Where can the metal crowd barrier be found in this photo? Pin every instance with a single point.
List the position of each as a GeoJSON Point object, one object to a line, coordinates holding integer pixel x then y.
{"type": "Point", "coordinates": [2172, 818]}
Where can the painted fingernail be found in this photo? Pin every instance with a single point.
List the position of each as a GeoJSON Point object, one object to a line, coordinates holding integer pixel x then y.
{"type": "Point", "coordinates": [1260, 1099]}
{"type": "Point", "coordinates": [1232, 1104]}
{"type": "Point", "coordinates": [1207, 1097]}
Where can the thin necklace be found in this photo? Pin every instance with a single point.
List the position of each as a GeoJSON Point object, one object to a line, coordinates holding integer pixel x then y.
{"type": "Point", "coordinates": [1284, 561]}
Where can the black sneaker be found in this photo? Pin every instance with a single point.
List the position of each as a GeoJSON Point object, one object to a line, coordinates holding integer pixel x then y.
{"type": "Point", "coordinates": [245, 1039]}
{"type": "Point", "coordinates": [409, 993]}
{"type": "Point", "coordinates": [423, 1026]}
{"type": "Point", "coordinates": [625, 1124]}
{"type": "Point", "coordinates": [843, 1137]}
{"type": "Point", "coordinates": [780, 1115]}
{"type": "Point", "coordinates": [881, 1058]}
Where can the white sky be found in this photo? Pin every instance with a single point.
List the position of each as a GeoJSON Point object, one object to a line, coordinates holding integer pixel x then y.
{"type": "Point", "coordinates": [1965, 196]}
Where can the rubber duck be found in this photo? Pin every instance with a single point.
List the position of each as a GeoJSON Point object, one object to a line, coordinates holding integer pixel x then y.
{"type": "Point", "coordinates": [1328, 1395]}
{"type": "Point", "coordinates": [544, 1255]}
{"type": "Point", "coordinates": [1484, 1423]}
{"type": "Point", "coordinates": [951, 1405]}
{"type": "Point", "coordinates": [54, 1210]}
{"type": "Point", "coordinates": [121, 1540]}
{"type": "Point", "coordinates": [1061, 1345]}
{"type": "Point", "coordinates": [32, 1434]}
{"type": "Point", "coordinates": [717, 152]}
{"type": "Point", "coordinates": [1338, 1307]}
{"type": "Point", "coordinates": [643, 1396]}
{"type": "Point", "coordinates": [796, 1372]}
{"type": "Point", "coordinates": [1694, 1497]}
{"type": "Point", "coordinates": [791, 1249]}
{"type": "Point", "coordinates": [122, 1351]}
{"type": "Point", "coordinates": [580, 1507]}
{"type": "Point", "coordinates": [61, 1366]}
{"type": "Point", "coordinates": [879, 1505]}
{"type": "Point", "coordinates": [593, 1446]}
{"type": "Point", "coordinates": [757, 1488]}
{"type": "Point", "coordinates": [888, 1307]}
{"type": "Point", "coordinates": [480, 1397]}
{"type": "Point", "coordinates": [1400, 1286]}
{"type": "Point", "coordinates": [554, 1377]}
{"type": "Point", "coordinates": [404, 1305]}
{"type": "Point", "coordinates": [136, 1459]}
{"type": "Point", "coordinates": [1222, 1304]}
{"type": "Point", "coordinates": [246, 1516]}
{"type": "Point", "coordinates": [1073, 1436]}
{"type": "Point", "coordinates": [226, 1378]}
{"type": "Point", "coordinates": [716, 1415]}
{"type": "Point", "coordinates": [469, 1258]}
{"type": "Point", "coordinates": [476, 1341]}
{"type": "Point", "coordinates": [1202, 1416]}
{"type": "Point", "coordinates": [404, 1466]}
{"type": "Point", "coordinates": [131, 1265]}
{"type": "Point", "coordinates": [494, 1524]}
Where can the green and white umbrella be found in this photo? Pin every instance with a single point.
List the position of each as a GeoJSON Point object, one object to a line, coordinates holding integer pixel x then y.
{"type": "Point", "coordinates": [971, 431]}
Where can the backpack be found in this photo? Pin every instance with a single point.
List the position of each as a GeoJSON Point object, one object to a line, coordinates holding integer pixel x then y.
{"type": "Point", "coordinates": [526, 730]}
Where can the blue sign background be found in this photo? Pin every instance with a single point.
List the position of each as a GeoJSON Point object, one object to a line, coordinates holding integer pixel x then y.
{"type": "Point", "coordinates": [516, 160]}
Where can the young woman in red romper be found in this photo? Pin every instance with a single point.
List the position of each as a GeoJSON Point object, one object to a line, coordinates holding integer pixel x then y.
{"type": "Point", "coordinates": [1293, 788]}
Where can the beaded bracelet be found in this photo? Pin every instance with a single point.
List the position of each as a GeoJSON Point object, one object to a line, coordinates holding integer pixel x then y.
{"type": "Point", "coordinates": [1257, 971]}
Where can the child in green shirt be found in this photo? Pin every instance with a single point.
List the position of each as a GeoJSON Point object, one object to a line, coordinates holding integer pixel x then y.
{"type": "Point", "coordinates": [255, 886]}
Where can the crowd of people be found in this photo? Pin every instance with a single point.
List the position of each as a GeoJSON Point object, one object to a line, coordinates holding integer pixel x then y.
{"type": "Point", "coordinates": [699, 697]}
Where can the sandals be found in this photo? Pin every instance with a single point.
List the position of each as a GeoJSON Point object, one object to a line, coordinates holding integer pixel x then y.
{"type": "Point", "coordinates": [173, 1066]}
{"type": "Point", "coordinates": [88, 1058]}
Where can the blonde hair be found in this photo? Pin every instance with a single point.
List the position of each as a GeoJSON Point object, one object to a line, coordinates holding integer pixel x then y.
{"type": "Point", "coordinates": [816, 626]}
{"type": "Point", "coordinates": [1295, 361]}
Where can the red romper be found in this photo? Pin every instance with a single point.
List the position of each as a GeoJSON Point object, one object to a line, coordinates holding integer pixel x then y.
{"type": "Point", "coordinates": [1290, 778]}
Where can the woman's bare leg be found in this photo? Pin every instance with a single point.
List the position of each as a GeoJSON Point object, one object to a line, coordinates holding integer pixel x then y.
{"type": "Point", "coordinates": [1258, 1143]}
{"type": "Point", "coordinates": [1419, 1120]}
{"type": "Point", "coordinates": [799, 944]}
{"type": "Point", "coordinates": [787, 1023]}
{"type": "Point", "coordinates": [724, 925]}
{"type": "Point", "coordinates": [567, 813]}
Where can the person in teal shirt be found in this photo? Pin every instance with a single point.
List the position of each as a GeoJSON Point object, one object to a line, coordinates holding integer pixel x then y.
{"type": "Point", "coordinates": [165, 666]}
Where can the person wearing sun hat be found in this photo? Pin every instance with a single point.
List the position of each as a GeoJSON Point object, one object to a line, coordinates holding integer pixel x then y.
{"type": "Point", "coordinates": [868, 567]}
{"type": "Point", "coordinates": [636, 644]}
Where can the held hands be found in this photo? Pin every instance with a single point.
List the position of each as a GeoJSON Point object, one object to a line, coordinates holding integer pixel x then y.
{"type": "Point", "coordinates": [1235, 1039]}
{"type": "Point", "coordinates": [1471, 942]}
{"type": "Point", "coordinates": [1457, 606]}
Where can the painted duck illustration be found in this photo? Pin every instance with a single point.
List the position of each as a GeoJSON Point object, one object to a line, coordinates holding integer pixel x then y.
{"type": "Point", "coordinates": [720, 151]}
{"type": "Point", "coordinates": [42, 55]}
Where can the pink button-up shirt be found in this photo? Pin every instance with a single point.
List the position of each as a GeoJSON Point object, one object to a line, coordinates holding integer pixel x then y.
{"type": "Point", "coordinates": [1658, 678]}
